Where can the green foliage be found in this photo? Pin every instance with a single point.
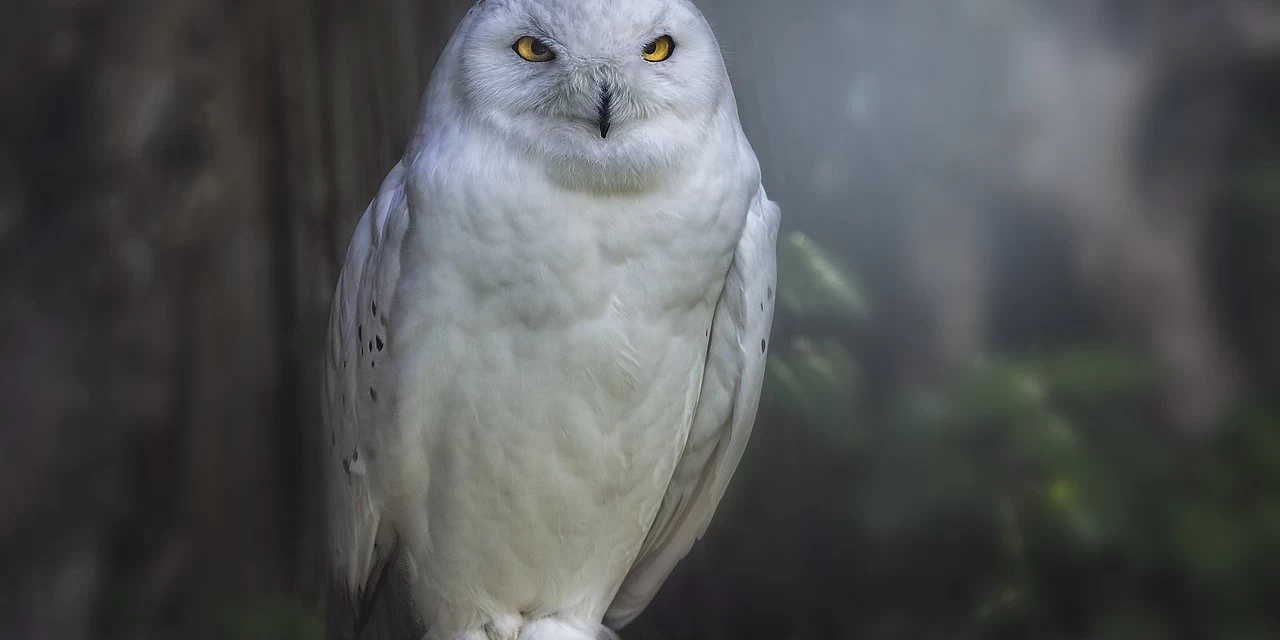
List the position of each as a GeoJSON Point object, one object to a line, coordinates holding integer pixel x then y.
{"type": "Point", "coordinates": [816, 380]}
{"type": "Point", "coordinates": [812, 283]}
{"type": "Point", "coordinates": [1259, 188]}
{"type": "Point", "coordinates": [816, 377]}
{"type": "Point", "coordinates": [1086, 519]}
{"type": "Point", "coordinates": [130, 611]}
{"type": "Point", "coordinates": [277, 617]}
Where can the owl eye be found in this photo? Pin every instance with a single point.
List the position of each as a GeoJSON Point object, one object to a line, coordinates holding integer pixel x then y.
{"type": "Point", "coordinates": [659, 49]}
{"type": "Point", "coordinates": [533, 50]}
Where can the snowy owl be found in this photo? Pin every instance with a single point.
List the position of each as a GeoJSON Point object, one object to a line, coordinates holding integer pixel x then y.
{"type": "Point", "coordinates": [549, 335]}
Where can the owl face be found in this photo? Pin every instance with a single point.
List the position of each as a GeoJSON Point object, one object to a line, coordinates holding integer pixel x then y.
{"type": "Point", "coordinates": [594, 87]}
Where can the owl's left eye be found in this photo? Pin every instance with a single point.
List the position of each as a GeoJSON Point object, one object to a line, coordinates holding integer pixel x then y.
{"type": "Point", "coordinates": [533, 50]}
{"type": "Point", "coordinates": [659, 49]}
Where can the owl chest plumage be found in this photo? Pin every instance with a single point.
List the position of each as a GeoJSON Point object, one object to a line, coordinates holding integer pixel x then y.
{"type": "Point", "coordinates": [552, 346]}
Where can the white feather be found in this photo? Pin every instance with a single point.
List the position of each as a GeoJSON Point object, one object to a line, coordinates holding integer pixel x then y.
{"type": "Point", "coordinates": [546, 347]}
{"type": "Point", "coordinates": [726, 412]}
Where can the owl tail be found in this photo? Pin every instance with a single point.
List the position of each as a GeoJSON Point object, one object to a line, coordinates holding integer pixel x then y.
{"type": "Point", "coordinates": [556, 629]}
{"type": "Point", "coordinates": [541, 629]}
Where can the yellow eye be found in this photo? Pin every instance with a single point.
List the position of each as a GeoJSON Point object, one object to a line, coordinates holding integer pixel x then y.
{"type": "Point", "coordinates": [533, 50]}
{"type": "Point", "coordinates": [659, 49]}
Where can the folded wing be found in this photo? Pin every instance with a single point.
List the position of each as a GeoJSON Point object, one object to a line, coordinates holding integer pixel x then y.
{"type": "Point", "coordinates": [364, 579]}
{"type": "Point", "coordinates": [724, 415]}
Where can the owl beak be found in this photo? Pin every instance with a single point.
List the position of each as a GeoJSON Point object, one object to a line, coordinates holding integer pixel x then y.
{"type": "Point", "coordinates": [606, 105]}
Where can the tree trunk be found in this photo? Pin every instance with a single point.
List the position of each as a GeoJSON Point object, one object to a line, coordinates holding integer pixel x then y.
{"type": "Point", "coordinates": [187, 175]}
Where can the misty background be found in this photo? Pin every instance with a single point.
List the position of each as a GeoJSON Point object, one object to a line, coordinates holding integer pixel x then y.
{"type": "Point", "coordinates": [1025, 366]}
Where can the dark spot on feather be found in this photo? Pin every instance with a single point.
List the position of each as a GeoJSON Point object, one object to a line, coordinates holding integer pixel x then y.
{"type": "Point", "coordinates": [373, 364]}
{"type": "Point", "coordinates": [378, 340]}
{"type": "Point", "coordinates": [370, 346]}
{"type": "Point", "coordinates": [346, 466]}
{"type": "Point", "coordinates": [374, 306]}
{"type": "Point", "coordinates": [383, 320]}
{"type": "Point", "coordinates": [770, 293]}
{"type": "Point", "coordinates": [360, 332]}
{"type": "Point", "coordinates": [373, 394]}
{"type": "Point", "coordinates": [355, 454]}
{"type": "Point", "coordinates": [762, 345]}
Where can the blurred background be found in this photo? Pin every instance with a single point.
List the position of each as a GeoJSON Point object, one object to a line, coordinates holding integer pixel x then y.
{"type": "Point", "coordinates": [1026, 355]}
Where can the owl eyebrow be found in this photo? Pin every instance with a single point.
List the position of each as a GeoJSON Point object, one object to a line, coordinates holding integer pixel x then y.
{"type": "Point", "coordinates": [536, 28]}
{"type": "Point", "coordinates": [660, 28]}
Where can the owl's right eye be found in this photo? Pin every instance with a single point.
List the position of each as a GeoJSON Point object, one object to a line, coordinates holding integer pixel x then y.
{"type": "Point", "coordinates": [533, 50]}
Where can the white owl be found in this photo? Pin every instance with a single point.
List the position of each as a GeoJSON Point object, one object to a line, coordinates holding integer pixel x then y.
{"type": "Point", "coordinates": [548, 339]}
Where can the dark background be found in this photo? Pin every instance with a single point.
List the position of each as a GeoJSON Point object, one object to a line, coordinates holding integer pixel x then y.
{"type": "Point", "coordinates": [1026, 356]}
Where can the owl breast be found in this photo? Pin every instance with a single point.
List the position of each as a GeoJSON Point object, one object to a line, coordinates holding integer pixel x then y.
{"type": "Point", "coordinates": [552, 351]}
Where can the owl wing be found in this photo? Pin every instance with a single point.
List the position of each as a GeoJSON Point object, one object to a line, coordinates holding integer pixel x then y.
{"type": "Point", "coordinates": [724, 415]}
{"type": "Point", "coordinates": [357, 410]}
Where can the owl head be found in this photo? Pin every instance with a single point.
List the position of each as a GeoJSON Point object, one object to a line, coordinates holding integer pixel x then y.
{"type": "Point", "coordinates": [595, 89]}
